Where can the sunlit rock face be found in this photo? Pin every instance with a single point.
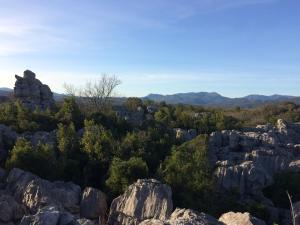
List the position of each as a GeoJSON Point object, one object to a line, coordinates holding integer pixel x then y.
{"type": "Point", "coordinates": [247, 161]}
{"type": "Point", "coordinates": [145, 199]}
{"type": "Point", "coordinates": [32, 92]}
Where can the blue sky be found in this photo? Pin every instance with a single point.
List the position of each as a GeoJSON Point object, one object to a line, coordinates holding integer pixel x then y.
{"type": "Point", "coordinates": [234, 47]}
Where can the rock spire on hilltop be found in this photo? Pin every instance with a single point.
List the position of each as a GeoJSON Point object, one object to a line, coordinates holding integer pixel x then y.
{"type": "Point", "coordinates": [32, 92]}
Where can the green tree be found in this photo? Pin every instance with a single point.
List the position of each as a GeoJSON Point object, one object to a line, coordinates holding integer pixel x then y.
{"type": "Point", "coordinates": [97, 142]}
{"type": "Point", "coordinates": [39, 161]}
{"type": "Point", "coordinates": [67, 139]}
{"type": "Point", "coordinates": [70, 112]}
{"type": "Point", "coordinates": [188, 172]}
{"type": "Point", "coordinates": [123, 173]}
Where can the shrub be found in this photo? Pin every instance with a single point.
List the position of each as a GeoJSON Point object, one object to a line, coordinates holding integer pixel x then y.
{"type": "Point", "coordinates": [123, 173]}
{"type": "Point", "coordinates": [39, 161]}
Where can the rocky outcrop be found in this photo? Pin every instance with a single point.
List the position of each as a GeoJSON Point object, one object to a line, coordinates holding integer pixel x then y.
{"type": "Point", "coordinates": [45, 216]}
{"type": "Point", "coordinates": [93, 204]}
{"type": "Point", "coordinates": [187, 216]}
{"type": "Point", "coordinates": [185, 135]}
{"type": "Point", "coordinates": [35, 193]}
{"type": "Point", "coordinates": [232, 218]}
{"type": "Point", "coordinates": [145, 199]}
{"type": "Point", "coordinates": [247, 161]}
{"type": "Point", "coordinates": [32, 93]}
{"type": "Point", "coordinates": [10, 210]}
{"type": "Point", "coordinates": [184, 217]}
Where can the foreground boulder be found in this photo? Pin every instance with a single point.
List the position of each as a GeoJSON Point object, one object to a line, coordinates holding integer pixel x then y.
{"type": "Point", "coordinates": [45, 216]}
{"type": "Point", "coordinates": [232, 218]}
{"type": "Point", "coordinates": [188, 216]}
{"type": "Point", "coordinates": [32, 93]}
{"type": "Point", "coordinates": [185, 217]}
{"type": "Point", "coordinates": [145, 199]}
{"type": "Point", "coordinates": [10, 210]}
{"type": "Point", "coordinates": [36, 193]}
{"type": "Point", "coordinates": [93, 204]}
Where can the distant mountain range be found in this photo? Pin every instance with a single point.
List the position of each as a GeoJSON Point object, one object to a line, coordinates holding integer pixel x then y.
{"type": "Point", "coordinates": [211, 99]}
{"type": "Point", "coordinates": [214, 99]}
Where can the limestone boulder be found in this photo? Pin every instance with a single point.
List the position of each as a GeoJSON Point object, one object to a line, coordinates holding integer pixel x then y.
{"type": "Point", "coordinates": [36, 193]}
{"type": "Point", "coordinates": [188, 216]}
{"type": "Point", "coordinates": [45, 216]}
{"type": "Point", "coordinates": [232, 218]}
{"type": "Point", "coordinates": [10, 210]}
{"type": "Point", "coordinates": [145, 199]}
{"type": "Point", "coordinates": [31, 92]}
{"type": "Point", "coordinates": [93, 204]}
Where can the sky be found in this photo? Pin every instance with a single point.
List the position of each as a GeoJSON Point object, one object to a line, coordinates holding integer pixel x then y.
{"type": "Point", "coordinates": [233, 47]}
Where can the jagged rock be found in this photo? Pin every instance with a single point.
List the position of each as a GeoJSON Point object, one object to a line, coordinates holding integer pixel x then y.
{"type": "Point", "coordinates": [10, 210]}
{"type": "Point", "coordinates": [294, 166]}
{"type": "Point", "coordinates": [188, 216]}
{"type": "Point", "coordinates": [153, 222]}
{"type": "Point", "coordinates": [145, 199]}
{"type": "Point", "coordinates": [35, 192]}
{"type": "Point", "coordinates": [246, 177]}
{"type": "Point", "coordinates": [185, 135]}
{"type": "Point", "coordinates": [232, 218]}
{"type": "Point", "coordinates": [93, 204]}
{"type": "Point", "coordinates": [85, 222]}
{"type": "Point", "coordinates": [247, 161]}
{"type": "Point", "coordinates": [46, 216]}
{"type": "Point", "coordinates": [297, 212]}
{"type": "Point", "coordinates": [32, 93]}
{"type": "Point", "coordinates": [67, 219]}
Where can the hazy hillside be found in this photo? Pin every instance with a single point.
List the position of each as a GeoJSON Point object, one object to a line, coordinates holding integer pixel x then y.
{"type": "Point", "coordinates": [215, 99]}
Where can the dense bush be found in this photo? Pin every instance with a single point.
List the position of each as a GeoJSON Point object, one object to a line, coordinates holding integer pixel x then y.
{"type": "Point", "coordinates": [40, 161]}
{"type": "Point", "coordinates": [188, 172]}
{"type": "Point", "coordinates": [123, 173]}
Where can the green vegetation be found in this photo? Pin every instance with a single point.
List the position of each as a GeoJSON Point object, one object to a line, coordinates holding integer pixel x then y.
{"type": "Point", "coordinates": [103, 150]}
{"type": "Point", "coordinates": [123, 173]}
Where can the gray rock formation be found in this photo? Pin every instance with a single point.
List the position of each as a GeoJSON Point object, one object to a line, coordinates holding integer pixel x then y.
{"type": "Point", "coordinates": [185, 135]}
{"type": "Point", "coordinates": [46, 216]}
{"type": "Point", "coordinates": [247, 161]}
{"type": "Point", "coordinates": [10, 210]}
{"type": "Point", "coordinates": [187, 216]}
{"type": "Point", "coordinates": [32, 93]}
{"type": "Point", "coordinates": [145, 199]}
{"type": "Point", "coordinates": [36, 193]}
{"type": "Point", "coordinates": [232, 218]}
{"type": "Point", "coordinates": [93, 204]}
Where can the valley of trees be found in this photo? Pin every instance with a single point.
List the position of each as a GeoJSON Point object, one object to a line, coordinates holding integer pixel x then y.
{"type": "Point", "coordinates": [97, 147]}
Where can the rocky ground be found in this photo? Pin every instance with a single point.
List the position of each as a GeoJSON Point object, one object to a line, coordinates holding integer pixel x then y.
{"type": "Point", "coordinates": [246, 161]}
{"type": "Point", "coordinates": [26, 199]}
